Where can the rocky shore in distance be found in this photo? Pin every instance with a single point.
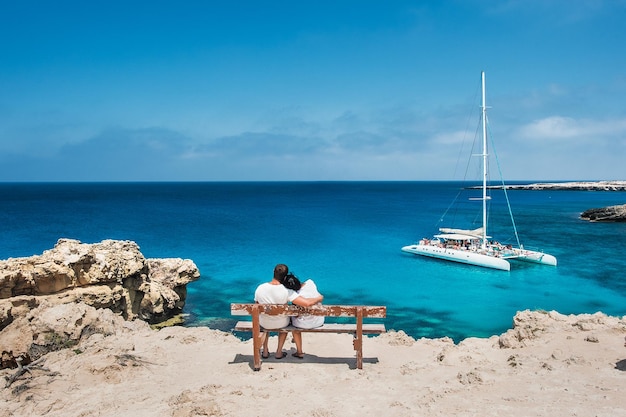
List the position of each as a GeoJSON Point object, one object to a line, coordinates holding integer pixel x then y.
{"type": "Point", "coordinates": [602, 214]}
{"type": "Point", "coordinates": [572, 186]}
{"type": "Point", "coordinates": [112, 276]}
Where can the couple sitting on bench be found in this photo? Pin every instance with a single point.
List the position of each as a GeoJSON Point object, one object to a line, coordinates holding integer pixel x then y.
{"type": "Point", "coordinates": [282, 289]}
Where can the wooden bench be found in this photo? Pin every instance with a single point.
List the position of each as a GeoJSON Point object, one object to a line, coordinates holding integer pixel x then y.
{"type": "Point", "coordinates": [358, 329]}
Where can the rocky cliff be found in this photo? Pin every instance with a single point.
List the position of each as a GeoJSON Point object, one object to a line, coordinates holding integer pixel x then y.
{"type": "Point", "coordinates": [111, 275]}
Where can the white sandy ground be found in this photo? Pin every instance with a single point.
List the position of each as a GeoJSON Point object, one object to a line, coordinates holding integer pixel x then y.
{"type": "Point", "coordinates": [567, 370]}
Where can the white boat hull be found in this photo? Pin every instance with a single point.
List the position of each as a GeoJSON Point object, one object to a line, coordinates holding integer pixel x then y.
{"type": "Point", "coordinates": [536, 257]}
{"type": "Point", "coordinates": [459, 255]}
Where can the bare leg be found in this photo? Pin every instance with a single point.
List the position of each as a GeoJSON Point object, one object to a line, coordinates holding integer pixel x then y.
{"type": "Point", "coordinates": [266, 338]}
{"type": "Point", "coordinates": [297, 338]}
{"type": "Point", "coordinates": [282, 337]}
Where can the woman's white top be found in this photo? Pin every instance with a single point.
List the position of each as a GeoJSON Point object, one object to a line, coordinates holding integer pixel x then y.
{"type": "Point", "coordinates": [308, 290]}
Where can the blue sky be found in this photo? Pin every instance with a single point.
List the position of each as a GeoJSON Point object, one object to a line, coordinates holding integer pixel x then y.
{"type": "Point", "coordinates": [308, 90]}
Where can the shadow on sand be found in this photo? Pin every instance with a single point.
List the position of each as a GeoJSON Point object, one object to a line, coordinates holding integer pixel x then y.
{"type": "Point", "coordinates": [308, 358]}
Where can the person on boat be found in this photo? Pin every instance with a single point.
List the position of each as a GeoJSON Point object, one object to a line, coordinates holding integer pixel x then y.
{"type": "Point", "coordinates": [274, 292]}
{"type": "Point", "coordinates": [306, 289]}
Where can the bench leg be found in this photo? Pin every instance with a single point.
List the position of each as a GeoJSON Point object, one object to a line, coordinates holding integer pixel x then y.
{"type": "Point", "coordinates": [358, 338]}
{"type": "Point", "coordinates": [257, 339]}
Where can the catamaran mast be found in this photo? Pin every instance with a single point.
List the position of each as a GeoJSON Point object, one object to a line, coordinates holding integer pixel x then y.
{"type": "Point", "coordinates": [484, 155]}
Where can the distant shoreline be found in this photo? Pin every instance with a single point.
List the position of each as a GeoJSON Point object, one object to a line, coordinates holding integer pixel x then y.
{"type": "Point", "coordinates": [569, 186]}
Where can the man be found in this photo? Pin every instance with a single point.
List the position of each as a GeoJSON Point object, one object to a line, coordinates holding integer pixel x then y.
{"type": "Point", "coordinates": [274, 292]}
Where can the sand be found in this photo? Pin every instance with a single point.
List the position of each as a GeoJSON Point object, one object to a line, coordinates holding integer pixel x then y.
{"type": "Point", "coordinates": [566, 366]}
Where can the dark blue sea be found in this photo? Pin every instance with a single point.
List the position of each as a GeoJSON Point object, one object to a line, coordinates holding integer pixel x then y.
{"type": "Point", "coordinates": [346, 236]}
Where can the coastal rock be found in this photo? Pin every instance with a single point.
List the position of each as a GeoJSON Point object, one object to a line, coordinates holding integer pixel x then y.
{"type": "Point", "coordinates": [48, 301]}
{"type": "Point", "coordinates": [531, 325]}
{"type": "Point", "coordinates": [605, 214]}
{"type": "Point", "coordinates": [51, 327]}
{"type": "Point", "coordinates": [111, 274]}
{"type": "Point", "coordinates": [70, 264]}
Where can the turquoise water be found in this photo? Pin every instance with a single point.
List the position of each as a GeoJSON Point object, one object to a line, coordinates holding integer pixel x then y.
{"type": "Point", "coordinates": [346, 236]}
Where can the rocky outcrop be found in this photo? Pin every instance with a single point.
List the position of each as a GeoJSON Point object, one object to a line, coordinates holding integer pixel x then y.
{"type": "Point", "coordinates": [77, 278]}
{"type": "Point", "coordinates": [529, 326]}
{"type": "Point", "coordinates": [605, 214]}
{"type": "Point", "coordinates": [51, 327]}
{"type": "Point", "coordinates": [111, 274]}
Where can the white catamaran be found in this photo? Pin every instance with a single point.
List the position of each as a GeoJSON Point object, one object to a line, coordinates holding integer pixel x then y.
{"type": "Point", "coordinates": [474, 247]}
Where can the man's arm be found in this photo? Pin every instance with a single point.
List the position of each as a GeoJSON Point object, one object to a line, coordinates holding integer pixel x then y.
{"type": "Point", "coordinates": [307, 302]}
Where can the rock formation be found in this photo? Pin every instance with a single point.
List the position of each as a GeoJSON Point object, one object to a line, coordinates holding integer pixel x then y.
{"type": "Point", "coordinates": [111, 275]}
{"type": "Point", "coordinates": [605, 214]}
{"type": "Point", "coordinates": [50, 327]}
{"type": "Point", "coordinates": [530, 325]}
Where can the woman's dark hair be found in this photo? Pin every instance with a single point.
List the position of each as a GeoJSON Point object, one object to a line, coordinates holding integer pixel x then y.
{"type": "Point", "coordinates": [292, 282]}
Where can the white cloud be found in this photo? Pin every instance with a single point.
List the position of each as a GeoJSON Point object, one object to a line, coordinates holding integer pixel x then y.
{"type": "Point", "coordinates": [559, 127]}
{"type": "Point", "coordinates": [456, 139]}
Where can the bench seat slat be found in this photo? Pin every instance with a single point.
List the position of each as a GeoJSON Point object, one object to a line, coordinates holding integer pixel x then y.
{"type": "Point", "coordinates": [246, 326]}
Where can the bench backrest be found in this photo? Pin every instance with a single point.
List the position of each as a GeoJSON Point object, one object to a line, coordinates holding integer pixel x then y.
{"type": "Point", "coordinates": [237, 309]}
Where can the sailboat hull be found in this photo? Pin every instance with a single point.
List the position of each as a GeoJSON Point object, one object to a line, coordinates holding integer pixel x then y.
{"type": "Point", "coordinates": [457, 255]}
{"type": "Point", "coordinates": [536, 257]}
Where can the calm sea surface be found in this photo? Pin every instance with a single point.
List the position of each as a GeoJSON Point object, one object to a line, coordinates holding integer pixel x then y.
{"type": "Point", "coordinates": [346, 236]}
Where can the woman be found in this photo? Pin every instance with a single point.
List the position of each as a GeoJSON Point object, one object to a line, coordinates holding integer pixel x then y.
{"type": "Point", "coordinates": [307, 290]}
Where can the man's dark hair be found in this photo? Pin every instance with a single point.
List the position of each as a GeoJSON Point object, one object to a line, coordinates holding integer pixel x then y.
{"type": "Point", "coordinates": [280, 272]}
